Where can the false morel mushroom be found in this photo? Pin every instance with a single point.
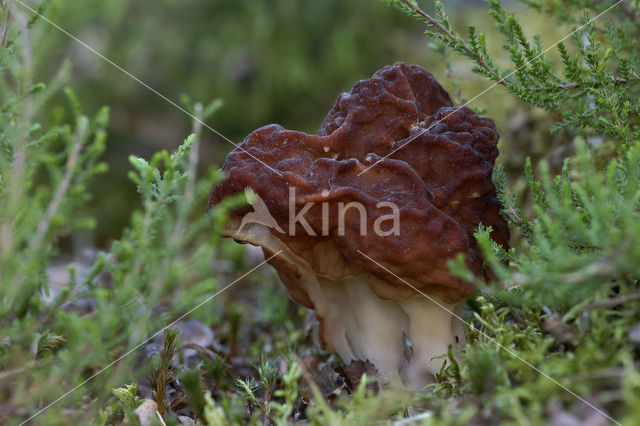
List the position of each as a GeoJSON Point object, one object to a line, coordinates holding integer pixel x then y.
{"type": "Point", "coordinates": [371, 209]}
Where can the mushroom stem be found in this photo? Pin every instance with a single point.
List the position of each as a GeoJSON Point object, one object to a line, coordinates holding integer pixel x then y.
{"type": "Point", "coordinates": [376, 329]}
{"type": "Point", "coordinates": [358, 325]}
{"type": "Point", "coordinates": [432, 328]}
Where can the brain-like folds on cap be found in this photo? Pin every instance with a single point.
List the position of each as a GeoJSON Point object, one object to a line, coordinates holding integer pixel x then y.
{"type": "Point", "coordinates": [431, 160]}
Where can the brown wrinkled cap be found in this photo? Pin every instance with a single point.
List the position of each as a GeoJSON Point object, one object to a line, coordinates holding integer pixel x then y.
{"type": "Point", "coordinates": [437, 171]}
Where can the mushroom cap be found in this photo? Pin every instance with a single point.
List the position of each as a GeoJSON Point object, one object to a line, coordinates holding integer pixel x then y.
{"type": "Point", "coordinates": [434, 162]}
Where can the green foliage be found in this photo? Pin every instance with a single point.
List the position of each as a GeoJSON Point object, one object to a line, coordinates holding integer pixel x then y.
{"type": "Point", "coordinates": [593, 84]}
{"type": "Point", "coordinates": [247, 390]}
{"type": "Point", "coordinates": [62, 326]}
{"type": "Point", "coordinates": [190, 379]}
{"type": "Point", "coordinates": [289, 393]}
{"type": "Point", "coordinates": [562, 310]}
{"type": "Point", "coordinates": [48, 343]}
{"type": "Point", "coordinates": [559, 315]}
{"type": "Point", "coordinates": [582, 242]}
{"type": "Point", "coordinates": [214, 415]}
{"type": "Point", "coordinates": [128, 395]}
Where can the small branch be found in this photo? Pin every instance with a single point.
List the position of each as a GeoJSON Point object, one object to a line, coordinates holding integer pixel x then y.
{"type": "Point", "coordinates": [19, 151]}
{"type": "Point", "coordinates": [54, 205]}
{"type": "Point", "coordinates": [568, 86]}
{"type": "Point", "coordinates": [194, 153]}
{"type": "Point", "coordinates": [603, 373]}
{"type": "Point", "coordinates": [23, 128]}
{"type": "Point", "coordinates": [199, 349]}
{"type": "Point", "coordinates": [267, 408]}
{"type": "Point", "coordinates": [4, 29]}
{"type": "Point", "coordinates": [6, 375]}
{"type": "Point", "coordinates": [190, 187]}
{"type": "Point", "coordinates": [432, 21]}
{"type": "Point", "coordinates": [612, 302]}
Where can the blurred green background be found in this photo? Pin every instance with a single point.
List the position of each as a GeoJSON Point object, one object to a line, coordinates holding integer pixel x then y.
{"type": "Point", "coordinates": [269, 61]}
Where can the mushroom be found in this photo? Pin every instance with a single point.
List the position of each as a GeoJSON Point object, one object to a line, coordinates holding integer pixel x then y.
{"type": "Point", "coordinates": [371, 209]}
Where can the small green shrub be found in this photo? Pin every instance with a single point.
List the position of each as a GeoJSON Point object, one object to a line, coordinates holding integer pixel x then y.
{"type": "Point", "coordinates": [50, 346]}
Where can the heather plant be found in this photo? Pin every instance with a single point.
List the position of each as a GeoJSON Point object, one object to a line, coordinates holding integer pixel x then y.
{"type": "Point", "coordinates": [61, 329]}
{"type": "Point", "coordinates": [566, 297]}
{"type": "Point", "coordinates": [591, 82]}
{"type": "Point", "coordinates": [555, 336]}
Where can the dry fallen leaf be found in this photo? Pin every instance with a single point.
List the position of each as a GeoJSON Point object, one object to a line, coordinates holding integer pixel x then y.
{"type": "Point", "coordinates": [353, 374]}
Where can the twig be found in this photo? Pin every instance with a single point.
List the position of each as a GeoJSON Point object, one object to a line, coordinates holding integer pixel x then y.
{"type": "Point", "coordinates": [190, 186]}
{"type": "Point", "coordinates": [267, 407]}
{"type": "Point", "coordinates": [194, 153]}
{"type": "Point", "coordinates": [199, 349]}
{"type": "Point", "coordinates": [5, 27]}
{"type": "Point", "coordinates": [432, 21]}
{"type": "Point", "coordinates": [567, 86]}
{"type": "Point", "coordinates": [26, 118]}
{"type": "Point", "coordinates": [19, 151]}
{"type": "Point", "coordinates": [28, 366]}
{"type": "Point", "coordinates": [57, 199]}
{"type": "Point", "coordinates": [602, 374]}
{"type": "Point", "coordinates": [601, 268]}
{"type": "Point", "coordinates": [610, 303]}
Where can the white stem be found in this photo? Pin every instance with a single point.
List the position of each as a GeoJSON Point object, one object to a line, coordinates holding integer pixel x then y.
{"type": "Point", "coordinates": [432, 328]}
{"type": "Point", "coordinates": [371, 328]}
